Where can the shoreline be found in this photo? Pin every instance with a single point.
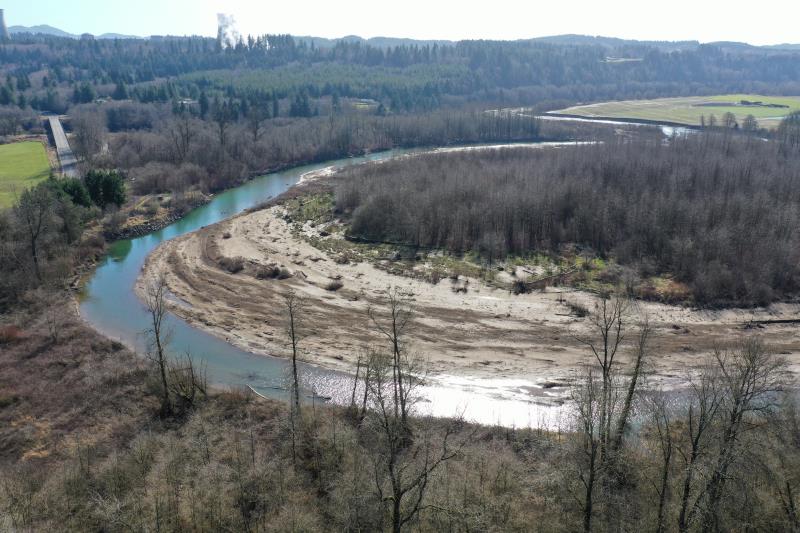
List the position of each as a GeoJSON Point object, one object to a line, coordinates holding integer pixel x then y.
{"type": "Point", "coordinates": [484, 334]}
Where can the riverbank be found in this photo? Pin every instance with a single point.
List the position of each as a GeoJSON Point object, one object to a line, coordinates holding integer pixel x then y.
{"type": "Point", "coordinates": [464, 327]}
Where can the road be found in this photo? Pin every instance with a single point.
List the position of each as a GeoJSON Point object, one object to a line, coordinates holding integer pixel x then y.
{"type": "Point", "coordinates": [69, 164]}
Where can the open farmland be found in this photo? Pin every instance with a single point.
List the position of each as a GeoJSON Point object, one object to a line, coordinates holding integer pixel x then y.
{"type": "Point", "coordinates": [22, 165]}
{"type": "Point", "coordinates": [768, 110]}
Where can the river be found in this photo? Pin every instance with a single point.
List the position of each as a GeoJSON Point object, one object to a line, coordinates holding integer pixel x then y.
{"type": "Point", "coordinates": [109, 304]}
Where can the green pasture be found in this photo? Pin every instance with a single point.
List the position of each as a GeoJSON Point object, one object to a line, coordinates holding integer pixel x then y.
{"type": "Point", "coordinates": [688, 110]}
{"type": "Point", "coordinates": [22, 165]}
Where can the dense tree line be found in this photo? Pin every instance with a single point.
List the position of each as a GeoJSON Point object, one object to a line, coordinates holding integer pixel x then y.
{"type": "Point", "coordinates": [164, 152]}
{"type": "Point", "coordinates": [41, 237]}
{"type": "Point", "coordinates": [46, 72]}
{"type": "Point", "coordinates": [14, 120]}
{"type": "Point", "coordinates": [717, 211]}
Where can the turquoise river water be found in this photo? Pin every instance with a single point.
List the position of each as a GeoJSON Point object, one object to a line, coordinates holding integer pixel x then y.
{"type": "Point", "coordinates": [110, 305]}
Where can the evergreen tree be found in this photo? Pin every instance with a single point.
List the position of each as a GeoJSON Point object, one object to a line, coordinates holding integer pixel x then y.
{"type": "Point", "coordinates": [74, 189]}
{"type": "Point", "coordinates": [105, 187]}
{"type": "Point", "coordinates": [204, 104]}
{"type": "Point", "coordinates": [120, 92]}
{"type": "Point", "coordinates": [6, 96]}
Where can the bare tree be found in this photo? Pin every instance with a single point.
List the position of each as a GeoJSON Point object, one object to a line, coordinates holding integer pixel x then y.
{"type": "Point", "coordinates": [402, 469]}
{"type": "Point", "coordinates": [181, 132]}
{"type": "Point", "coordinates": [12, 119]}
{"type": "Point", "coordinates": [362, 374]}
{"type": "Point", "coordinates": [54, 316]}
{"type": "Point", "coordinates": [735, 393]}
{"type": "Point", "coordinates": [186, 380]}
{"type": "Point", "coordinates": [35, 214]}
{"type": "Point", "coordinates": [158, 336]}
{"type": "Point", "coordinates": [255, 119]}
{"type": "Point", "coordinates": [295, 306]}
{"type": "Point", "coordinates": [223, 115]}
{"type": "Point", "coordinates": [640, 355]}
{"type": "Point", "coordinates": [587, 398]}
{"type": "Point", "coordinates": [704, 403]}
{"type": "Point", "coordinates": [729, 121]}
{"type": "Point", "coordinates": [782, 460]}
{"type": "Point", "coordinates": [750, 124]}
{"type": "Point", "coordinates": [607, 326]}
{"type": "Point", "coordinates": [393, 327]}
{"type": "Point", "coordinates": [751, 377]}
{"type": "Point", "coordinates": [90, 134]}
{"type": "Point", "coordinates": [662, 424]}
{"type": "Point", "coordinates": [604, 401]}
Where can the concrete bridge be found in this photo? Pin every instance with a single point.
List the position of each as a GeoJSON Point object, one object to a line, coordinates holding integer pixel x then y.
{"type": "Point", "coordinates": [69, 164]}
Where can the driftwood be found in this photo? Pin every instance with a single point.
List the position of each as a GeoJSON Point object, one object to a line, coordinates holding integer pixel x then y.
{"type": "Point", "coordinates": [774, 321]}
{"type": "Point", "coordinates": [538, 283]}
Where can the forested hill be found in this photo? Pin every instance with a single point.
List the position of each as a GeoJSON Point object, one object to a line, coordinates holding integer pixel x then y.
{"type": "Point", "coordinates": [403, 77]}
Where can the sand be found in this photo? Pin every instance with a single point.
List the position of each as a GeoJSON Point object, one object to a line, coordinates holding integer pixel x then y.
{"type": "Point", "coordinates": [485, 332]}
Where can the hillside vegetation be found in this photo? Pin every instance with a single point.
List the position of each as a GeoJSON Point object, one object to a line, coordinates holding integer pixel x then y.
{"type": "Point", "coordinates": [84, 445]}
{"type": "Point", "coordinates": [271, 72]}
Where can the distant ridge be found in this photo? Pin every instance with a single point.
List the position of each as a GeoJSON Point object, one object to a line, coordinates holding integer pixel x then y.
{"type": "Point", "coordinates": [50, 30]}
{"type": "Point", "coordinates": [784, 46]}
{"type": "Point", "coordinates": [378, 42]}
{"type": "Point", "coordinates": [612, 42]}
{"type": "Point", "coordinates": [385, 42]}
{"type": "Point", "coordinates": [43, 28]}
{"type": "Point", "coordinates": [562, 40]}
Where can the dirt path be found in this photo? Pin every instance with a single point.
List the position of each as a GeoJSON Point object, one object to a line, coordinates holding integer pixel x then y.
{"type": "Point", "coordinates": [484, 332]}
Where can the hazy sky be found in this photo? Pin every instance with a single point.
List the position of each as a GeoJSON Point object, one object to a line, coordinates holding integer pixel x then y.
{"type": "Point", "coordinates": [763, 22]}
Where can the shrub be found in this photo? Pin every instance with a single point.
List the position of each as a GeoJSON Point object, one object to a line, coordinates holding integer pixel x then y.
{"type": "Point", "coordinates": [268, 272]}
{"type": "Point", "coordinates": [334, 285]}
{"type": "Point", "coordinates": [284, 273]}
{"type": "Point", "coordinates": [114, 221]}
{"type": "Point", "coordinates": [9, 334]}
{"type": "Point", "coordinates": [519, 286]}
{"type": "Point", "coordinates": [151, 207]}
{"type": "Point", "coordinates": [579, 310]}
{"type": "Point", "coordinates": [7, 401]}
{"type": "Point", "coordinates": [232, 264]}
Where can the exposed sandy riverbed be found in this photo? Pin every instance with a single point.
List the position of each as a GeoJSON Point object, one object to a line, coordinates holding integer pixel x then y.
{"type": "Point", "coordinates": [483, 333]}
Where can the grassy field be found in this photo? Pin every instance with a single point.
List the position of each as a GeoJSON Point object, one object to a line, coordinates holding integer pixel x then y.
{"type": "Point", "coordinates": [688, 110]}
{"type": "Point", "coordinates": [22, 165]}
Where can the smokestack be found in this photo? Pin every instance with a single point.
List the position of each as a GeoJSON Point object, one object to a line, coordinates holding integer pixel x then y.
{"type": "Point", "coordinates": [3, 29]}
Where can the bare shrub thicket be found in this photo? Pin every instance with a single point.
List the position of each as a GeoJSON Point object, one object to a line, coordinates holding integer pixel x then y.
{"type": "Point", "coordinates": [719, 212]}
{"type": "Point", "coordinates": [14, 120]}
{"type": "Point", "coordinates": [39, 239]}
{"type": "Point", "coordinates": [233, 265]}
{"type": "Point", "coordinates": [181, 382]}
{"type": "Point", "coordinates": [722, 453]}
{"type": "Point", "coordinates": [639, 458]}
{"type": "Point", "coordinates": [181, 152]}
